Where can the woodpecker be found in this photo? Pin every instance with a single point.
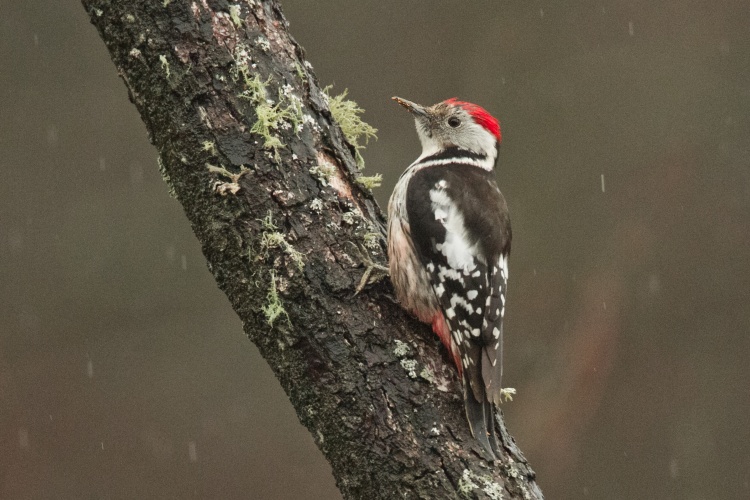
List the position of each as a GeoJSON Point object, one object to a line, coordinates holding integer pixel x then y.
{"type": "Point", "coordinates": [448, 246]}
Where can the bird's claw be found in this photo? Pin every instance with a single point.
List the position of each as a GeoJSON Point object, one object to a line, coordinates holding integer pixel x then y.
{"type": "Point", "coordinates": [507, 393]}
{"type": "Point", "coordinates": [374, 272]}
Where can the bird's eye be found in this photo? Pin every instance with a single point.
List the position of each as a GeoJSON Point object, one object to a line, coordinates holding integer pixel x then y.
{"type": "Point", "coordinates": [454, 122]}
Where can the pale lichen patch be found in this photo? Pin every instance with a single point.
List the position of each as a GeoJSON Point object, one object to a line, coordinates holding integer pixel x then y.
{"type": "Point", "coordinates": [466, 484]}
{"type": "Point", "coordinates": [271, 239]}
{"type": "Point", "coordinates": [470, 481]}
{"type": "Point", "coordinates": [323, 173]}
{"type": "Point", "coordinates": [370, 182]}
{"type": "Point", "coordinates": [402, 348]}
{"type": "Point", "coordinates": [210, 147]}
{"type": "Point", "coordinates": [316, 205]}
{"type": "Point", "coordinates": [349, 218]}
{"type": "Point", "coordinates": [427, 374]}
{"type": "Point", "coordinates": [273, 308]}
{"type": "Point", "coordinates": [271, 116]}
{"type": "Point", "coordinates": [347, 113]}
{"type": "Point", "coordinates": [263, 43]}
{"type": "Point", "coordinates": [235, 11]}
{"type": "Point", "coordinates": [165, 65]}
{"type": "Point", "coordinates": [410, 365]}
{"type": "Point", "coordinates": [371, 240]}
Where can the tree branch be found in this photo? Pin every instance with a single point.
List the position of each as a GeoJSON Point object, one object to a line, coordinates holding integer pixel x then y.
{"type": "Point", "coordinates": [248, 145]}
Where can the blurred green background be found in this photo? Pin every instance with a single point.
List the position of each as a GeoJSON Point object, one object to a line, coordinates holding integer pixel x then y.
{"type": "Point", "coordinates": [626, 164]}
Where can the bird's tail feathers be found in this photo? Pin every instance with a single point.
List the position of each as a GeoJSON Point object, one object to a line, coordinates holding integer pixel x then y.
{"type": "Point", "coordinates": [481, 416]}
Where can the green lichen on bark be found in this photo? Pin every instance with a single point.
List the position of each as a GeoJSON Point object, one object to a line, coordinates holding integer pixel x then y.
{"type": "Point", "coordinates": [370, 182]}
{"type": "Point", "coordinates": [271, 238]}
{"type": "Point", "coordinates": [348, 115]}
{"type": "Point", "coordinates": [271, 116]}
{"type": "Point", "coordinates": [273, 308]}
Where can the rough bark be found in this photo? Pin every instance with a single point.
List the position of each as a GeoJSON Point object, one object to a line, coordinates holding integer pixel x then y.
{"type": "Point", "coordinates": [388, 416]}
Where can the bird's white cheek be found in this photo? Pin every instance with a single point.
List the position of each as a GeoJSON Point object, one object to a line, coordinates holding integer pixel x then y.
{"type": "Point", "coordinates": [430, 146]}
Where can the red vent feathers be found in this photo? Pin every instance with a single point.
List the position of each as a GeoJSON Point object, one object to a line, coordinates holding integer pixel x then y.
{"type": "Point", "coordinates": [480, 115]}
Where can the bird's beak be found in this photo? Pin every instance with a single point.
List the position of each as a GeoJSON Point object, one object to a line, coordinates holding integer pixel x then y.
{"type": "Point", "coordinates": [413, 107]}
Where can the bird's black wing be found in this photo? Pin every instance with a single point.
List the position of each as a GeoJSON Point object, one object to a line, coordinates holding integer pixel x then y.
{"type": "Point", "coordinates": [461, 231]}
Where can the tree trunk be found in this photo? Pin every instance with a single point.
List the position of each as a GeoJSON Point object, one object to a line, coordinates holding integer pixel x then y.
{"type": "Point", "coordinates": [249, 147]}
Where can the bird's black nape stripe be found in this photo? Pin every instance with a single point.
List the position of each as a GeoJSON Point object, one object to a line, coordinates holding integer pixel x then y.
{"type": "Point", "coordinates": [454, 152]}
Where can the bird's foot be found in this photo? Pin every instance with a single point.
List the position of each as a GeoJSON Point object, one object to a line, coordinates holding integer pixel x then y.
{"type": "Point", "coordinates": [374, 272]}
{"type": "Point", "coordinates": [507, 393]}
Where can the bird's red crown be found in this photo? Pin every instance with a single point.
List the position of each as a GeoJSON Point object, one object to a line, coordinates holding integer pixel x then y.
{"type": "Point", "coordinates": [480, 115]}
